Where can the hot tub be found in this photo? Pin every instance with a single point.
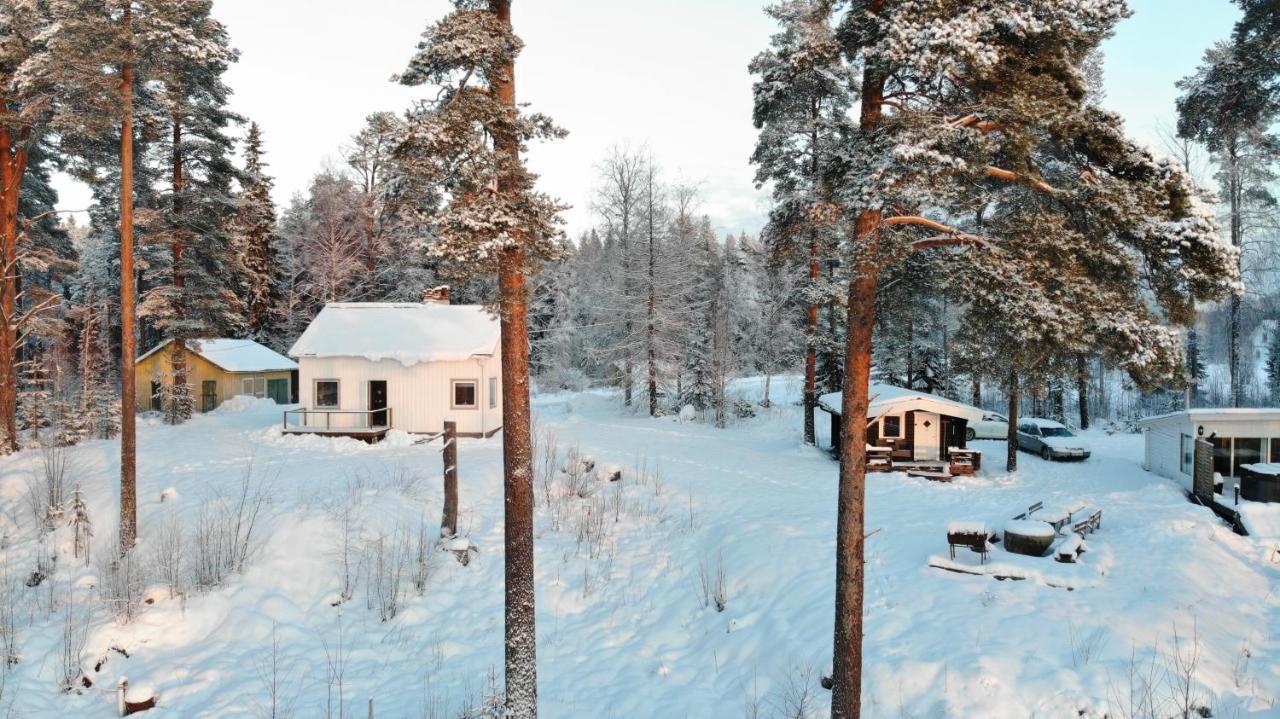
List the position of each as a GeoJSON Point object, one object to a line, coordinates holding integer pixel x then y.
{"type": "Point", "coordinates": [1260, 482]}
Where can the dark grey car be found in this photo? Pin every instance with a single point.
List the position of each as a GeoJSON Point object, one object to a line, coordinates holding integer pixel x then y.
{"type": "Point", "coordinates": [1050, 440]}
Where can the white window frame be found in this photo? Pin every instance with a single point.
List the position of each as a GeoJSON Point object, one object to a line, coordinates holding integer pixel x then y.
{"type": "Point", "coordinates": [253, 386]}
{"type": "Point", "coordinates": [453, 394]}
{"type": "Point", "coordinates": [315, 393]}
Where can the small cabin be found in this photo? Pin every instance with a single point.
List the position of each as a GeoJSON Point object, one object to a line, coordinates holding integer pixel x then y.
{"type": "Point", "coordinates": [369, 367]}
{"type": "Point", "coordinates": [916, 426]}
{"type": "Point", "coordinates": [217, 370]}
{"type": "Point", "coordinates": [1239, 437]}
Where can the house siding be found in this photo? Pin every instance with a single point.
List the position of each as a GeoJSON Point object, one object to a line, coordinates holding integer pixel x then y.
{"type": "Point", "coordinates": [157, 367]}
{"type": "Point", "coordinates": [419, 396]}
{"type": "Point", "coordinates": [1163, 435]}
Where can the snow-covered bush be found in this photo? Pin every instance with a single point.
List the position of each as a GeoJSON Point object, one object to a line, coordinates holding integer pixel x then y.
{"type": "Point", "coordinates": [225, 533]}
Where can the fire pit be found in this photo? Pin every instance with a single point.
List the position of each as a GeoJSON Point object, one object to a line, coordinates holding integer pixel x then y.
{"type": "Point", "coordinates": [1028, 536]}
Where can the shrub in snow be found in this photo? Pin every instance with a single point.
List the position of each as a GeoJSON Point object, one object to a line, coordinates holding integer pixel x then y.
{"type": "Point", "coordinates": [688, 413]}
{"type": "Point", "coordinates": [224, 535]}
{"type": "Point", "coordinates": [712, 584]}
{"type": "Point", "coordinates": [611, 472]}
{"type": "Point", "coordinates": [742, 409]}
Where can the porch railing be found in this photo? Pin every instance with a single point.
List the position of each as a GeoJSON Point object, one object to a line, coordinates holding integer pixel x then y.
{"type": "Point", "coordinates": [334, 420]}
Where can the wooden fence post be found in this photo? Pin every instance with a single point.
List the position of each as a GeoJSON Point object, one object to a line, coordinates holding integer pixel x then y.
{"type": "Point", "coordinates": [449, 524]}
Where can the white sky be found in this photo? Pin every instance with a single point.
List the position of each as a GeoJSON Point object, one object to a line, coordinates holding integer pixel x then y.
{"type": "Point", "coordinates": [671, 74]}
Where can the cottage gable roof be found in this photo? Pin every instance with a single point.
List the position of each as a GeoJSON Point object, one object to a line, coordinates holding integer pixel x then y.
{"type": "Point", "coordinates": [887, 398]}
{"type": "Point", "coordinates": [409, 333]}
{"type": "Point", "coordinates": [234, 355]}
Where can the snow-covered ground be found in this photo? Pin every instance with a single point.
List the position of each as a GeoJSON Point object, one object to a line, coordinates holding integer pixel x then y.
{"type": "Point", "coordinates": [624, 628]}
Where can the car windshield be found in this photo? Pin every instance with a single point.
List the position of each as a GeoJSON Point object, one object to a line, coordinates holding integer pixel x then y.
{"type": "Point", "coordinates": [1056, 432]}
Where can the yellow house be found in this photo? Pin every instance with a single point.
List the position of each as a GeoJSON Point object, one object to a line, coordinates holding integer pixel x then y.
{"type": "Point", "coordinates": [218, 369]}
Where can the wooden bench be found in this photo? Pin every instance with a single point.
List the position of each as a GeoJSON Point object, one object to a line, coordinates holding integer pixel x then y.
{"type": "Point", "coordinates": [973, 535]}
{"type": "Point", "coordinates": [965, 461]}
{"type": "Point", "coordinates": [1030, 511]}
{"type": "Point", "coordinates": [1069, 548]}
{"type": "Point", "coordinates": [1088, 525]}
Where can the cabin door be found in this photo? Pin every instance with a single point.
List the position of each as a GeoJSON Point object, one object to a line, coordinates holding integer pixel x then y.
{"type": "Point", "coordinates": [378, 402]}
{"type": "Point", "coordinates": [928, 439]}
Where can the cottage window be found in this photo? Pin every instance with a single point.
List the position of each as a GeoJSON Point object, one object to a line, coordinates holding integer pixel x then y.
{"type": "Point", "coordinates": [892, 426]}
{"type": "Point", "coordinates": [464, 394]}
{"type": "Point", "coordinates": [254, 386]}
{"type": "Point", "coordinates": [1275, 450]}
{"type": "Point", "coordinates": [326, 394]}
{"type": "Point", "coordinates": [493, 392]}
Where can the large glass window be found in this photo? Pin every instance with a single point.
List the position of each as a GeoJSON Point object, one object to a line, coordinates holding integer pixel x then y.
{"type": "Point", "coordinates": [1222, 456]}
{"type": "Point", "coordinates": [1275, 450]}
{"type": "Point", "coordinates": [1248, 451]}
{"type": "Point", "coordinates": [464, 394]}
{"type": "Point", "coordinates": [892, 426]}
{"type": "Point", "coordinates": [1188, 454]}
{"type": "Point", "coordinates": [326, 394]}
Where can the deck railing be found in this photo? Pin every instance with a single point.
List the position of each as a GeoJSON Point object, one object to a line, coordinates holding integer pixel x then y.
{"type": "Point", "coordinates": [325, 420]}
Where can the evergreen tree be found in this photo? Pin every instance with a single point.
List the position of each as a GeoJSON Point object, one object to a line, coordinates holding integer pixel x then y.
{"type": "Point", "coordinates": [469, 140]}
{"type": "Point", "coordinates": [253, 232]}
{"type": "Point", "coordinates": [802, 99]}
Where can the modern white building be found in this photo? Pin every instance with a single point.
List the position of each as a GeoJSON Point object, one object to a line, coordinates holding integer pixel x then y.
{"type": "Point", "coordinates": [366, 367]}
{"type": "Point", "coordinates": [1239, 436]}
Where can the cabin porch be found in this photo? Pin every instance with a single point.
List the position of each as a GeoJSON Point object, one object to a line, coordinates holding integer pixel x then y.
{"type": "Point", "coordinates": [365, 425]}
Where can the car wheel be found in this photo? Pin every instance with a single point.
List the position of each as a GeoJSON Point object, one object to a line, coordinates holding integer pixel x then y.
{"type": "Point", "coordinates": [1046, 454]}
{"type": "Point", "coordinates": [970, 435]}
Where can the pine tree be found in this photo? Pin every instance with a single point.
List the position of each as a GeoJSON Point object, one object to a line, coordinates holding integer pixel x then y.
{"type": "Point", "coordinates": [253, 233]}
{"type": "Point", "coordinates": [802, 99]}
{"type": "Point", "coordinates": [965, 111]}
{"type": "Point", "coordinates": [1229, 105]}
{"type": "Point", "coordinates": [469, 139]}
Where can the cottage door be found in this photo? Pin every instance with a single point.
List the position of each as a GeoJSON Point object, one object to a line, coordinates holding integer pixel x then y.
{"type": "Point", "coordinates": [378, 401]}
{"type": "Point", "coordinates": [928, 439]}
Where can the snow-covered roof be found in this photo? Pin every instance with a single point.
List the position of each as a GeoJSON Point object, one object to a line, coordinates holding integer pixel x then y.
{"type": "Point", "coordinates": [1218, 414]}
{"type": "Point", "coordinates": [1041, 422]}
{"type": "Point", "coordinates": [886, 398]}
{"type": "Point", "coordinates": [234, 355]}
{"type": "Point", "coordinates": [409, 333]}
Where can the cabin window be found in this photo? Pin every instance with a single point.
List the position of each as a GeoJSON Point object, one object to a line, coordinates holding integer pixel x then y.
{"type": "Point", "coordinates": [1188, 454]}
{"type": "Point", "coordinates": [464, 394]}
{"type": "Point", "coordinates": [892, 426]}
{"type": "Point", "coordinates": [1222, 456]}
{"type": "Point", "coordinates": [326, 394]}
{"type": "Point", "coordinates": [493, 392]}
{"type": "Point", "coordinates": [1275, 450]}
{"type": "Point", "coordinates": [254, 386]}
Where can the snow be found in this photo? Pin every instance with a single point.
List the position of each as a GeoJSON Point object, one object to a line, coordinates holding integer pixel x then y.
{"type": "Point", "coordinates": [1271, 469]}
{"type": "Point", "coordinates": [968, 527]}
{"type": "Point", "coordinates": [621, 629]}
{"type": "Point", "coordinates": [235, 355]}
{"type": "Point", "coordinates": [1029, 528]}
{"type": "Point", "coordinates": [410, 333]}
{"type": "Point", "coordinates": [888, 398]}
{"type": "Point", "coordinates": [1262, 520]}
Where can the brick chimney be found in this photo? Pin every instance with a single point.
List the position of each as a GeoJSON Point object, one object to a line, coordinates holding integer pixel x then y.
{"type": "Point", "coordinates": [436, 295]}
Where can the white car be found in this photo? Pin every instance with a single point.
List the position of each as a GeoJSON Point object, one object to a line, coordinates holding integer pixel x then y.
{"type": "Point", "coordinates": [992, 426]}
{"type": "Point", "coordinates": [1051, 440]}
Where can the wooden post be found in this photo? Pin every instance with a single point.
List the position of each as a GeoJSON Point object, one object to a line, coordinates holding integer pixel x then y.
{"type": "Point", "coordinates": [449, 524]}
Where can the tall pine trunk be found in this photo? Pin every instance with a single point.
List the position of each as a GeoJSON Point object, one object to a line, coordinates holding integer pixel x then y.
{"type": "Point", "coordinates": [13, 162]}
{"type": "Point", "coordinates": [811, 352]}
{"type": "Point", "coordinates": [1011, 448]}
{"type": "Point", "coordinates": [517, 445]}
{"type": "Point", "coordinates": [178, 354]}
{"type": "Point", "coordinates": [846, 659]}
{"type": "Point", "coordinates": [1235, 193]}
{"type": "Point", "coordinates": [1082, 389]}
{"type": "Point", "coordinates": [128, 349]}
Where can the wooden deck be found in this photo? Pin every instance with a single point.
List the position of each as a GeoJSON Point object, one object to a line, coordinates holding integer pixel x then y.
{"type": "Point", "coordinates": [321, 423]}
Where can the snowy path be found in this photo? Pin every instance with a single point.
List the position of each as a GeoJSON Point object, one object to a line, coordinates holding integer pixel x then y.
{"type": "Point", "coordinates": [622, 629]}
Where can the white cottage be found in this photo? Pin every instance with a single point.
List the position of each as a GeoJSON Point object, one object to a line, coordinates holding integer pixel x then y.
{"type": "Point", "coordinates": [366, 367]}
{"type": "Point", "coordinates": [1239, 436]}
